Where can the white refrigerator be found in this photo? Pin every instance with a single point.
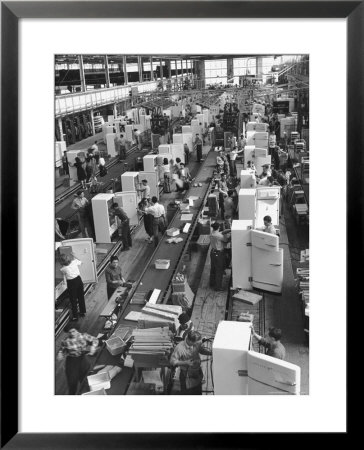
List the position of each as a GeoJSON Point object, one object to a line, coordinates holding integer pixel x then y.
{"type": "Point", "coordinates": [267, 204]}
{"type": "Point", "coordinates": [129, 202]}
{"type": "Point", "coordinates": [237, 370]}
{"type": "Point", "coordinates": [257, 260]}
{"type": "Point", "coordinates": [84, 250]}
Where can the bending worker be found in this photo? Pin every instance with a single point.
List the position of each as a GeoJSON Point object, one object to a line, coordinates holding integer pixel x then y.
{"type": "Point", "coordinates": [124, 230]}
{"type": "Point", "coordinates": [186, 356]}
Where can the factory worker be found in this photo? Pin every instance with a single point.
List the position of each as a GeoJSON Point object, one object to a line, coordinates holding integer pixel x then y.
{"type": "Point", "coordinates": [75, 348]}
{"type": "Point", "coordinates": [185, 326]}
{"type": "Point", "coordinates": [268, 226]}
{"type": "Point", "coordinates": [217, 255]}
{"type": "Point", "coordinates": [198, 146]}
{"type": "Point", "coordinates": [72, 276]}
{"type": "Point", "coordinates": [186, 357]}
{"type": "Point", "coordinates": [113, 275]}
{"type": "Point", "coordinates": [266, 171]}
{"type": "Point", "coordinates": [144, 189]}
{"type": "Point", "coordinates": [272, 343]}
{"type": "Point", "coordinates": [159, 218]}
{"type": "Point", "coordinates": [124, 227]}
{"type": "Point", "coordinates": [80, 204]}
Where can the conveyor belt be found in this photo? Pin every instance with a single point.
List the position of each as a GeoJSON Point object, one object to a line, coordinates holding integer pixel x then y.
{"type": "Point", "coordinates": [152, 278]}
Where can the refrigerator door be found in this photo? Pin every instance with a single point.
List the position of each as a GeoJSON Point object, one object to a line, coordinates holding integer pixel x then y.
{"type": "Point", "coordinates": [83, 249]}
{"type": "Point", "coordinates": [248, 154]}
{"type": "Point", "coordinates": [267, 262]}
{"type": "Point", "coordinates": [265, 241]}
{"type": "Point", "coordinates": [272, 376]}
{"type": "Point", "coordinates": [267, 205]}
{"type": "Point", "coordinates": [267, 270]}
{"type": "Point", "coordinates": [128, 201]}
{"type": "Point", "coordinates": [241, 254]}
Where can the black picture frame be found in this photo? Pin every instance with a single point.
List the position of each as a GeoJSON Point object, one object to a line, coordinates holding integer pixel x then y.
{"type": "Point", "coordinates": [11, 12]}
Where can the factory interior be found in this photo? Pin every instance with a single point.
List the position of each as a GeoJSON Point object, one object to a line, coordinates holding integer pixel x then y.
{"type": "Point", "coordinates": [181, 224]}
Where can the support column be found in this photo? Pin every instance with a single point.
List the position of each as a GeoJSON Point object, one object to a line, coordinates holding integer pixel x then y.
{"type": "Point", "coordinates": [125, 71]}
{"type": "Point", "coordinates": [140, 69]}
{"type": "Point", "coordinates": [169, 69]}
{"type": "Point", "coordinates": [161, 69]}
{"type": "Point", "coordinates": [82, 74]}
{"type": "Point", "coordinates": [151, 69]}
{"type": "Point", "coordinates": [115, 111]}
{"type": "Point", "coordinates": [229, 68]}
{"type": "Point", "coordinates": [107, 73]}
{"type": "Point", "coordinates": [92, 121]}
{"type": "Point", "coordinates": [200, 72]}
{"type": "Point", "coordinates": [259, 67]}
{"type": "Point", "coordinates": [59, 121]}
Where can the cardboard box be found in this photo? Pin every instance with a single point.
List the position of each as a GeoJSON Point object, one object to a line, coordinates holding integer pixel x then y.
{"type": "Point", "coordinates": [99, 381]}
{"type": "Point", "coordinates": [173, 232]}
{"type": "Point", "coordinates": [162, 263]}
{"type": "Point", "coordinates": [115, 345]}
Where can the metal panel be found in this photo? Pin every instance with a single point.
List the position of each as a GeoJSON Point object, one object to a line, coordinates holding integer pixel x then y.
{"type": "Point", "coordinates": [268, 375]}
{"type": "Point", "coordinates": [83, 249]}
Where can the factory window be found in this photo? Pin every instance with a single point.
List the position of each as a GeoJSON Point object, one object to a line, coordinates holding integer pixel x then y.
{"type": "Point", "coordinates": [216, 71]}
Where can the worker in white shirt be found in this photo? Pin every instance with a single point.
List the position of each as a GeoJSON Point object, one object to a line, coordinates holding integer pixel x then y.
{"type": "Point", "coordinates": [268, 226]}
{"type": "Point", "coordinates": [144, 189]}
{"type": "Point", "coordinates": [233, 154]}
{"type": "Point", "coordinates": [159, 222]}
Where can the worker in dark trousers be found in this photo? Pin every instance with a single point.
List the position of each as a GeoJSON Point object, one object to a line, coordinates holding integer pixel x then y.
{"type": "Point", "coordinates": [74, 282]}
{"type": "Point", "coordinates": [75, 348]}
{"type": "Point", "coordinates": [198, 147]}
{"type": "Point", "coordinates": [223, 190]}
{"type": "Point", "coordinates": [159, 218]}
{"type": "Point", "coordinates": [217, 255]}
{"type": "Point", "coordinates": [124, 229]}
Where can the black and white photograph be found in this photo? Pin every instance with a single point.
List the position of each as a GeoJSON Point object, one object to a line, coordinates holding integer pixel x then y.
{"type": "Point", "coordinates": [182, 217]}
{"type": "Point", "coordinates": [162, 227]}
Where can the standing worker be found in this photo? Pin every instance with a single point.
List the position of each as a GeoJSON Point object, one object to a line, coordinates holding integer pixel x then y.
{"type": "Point", "coordinates": [198, 146]}
{"type": "Point", "coordinates": [144, 189]}
{"type": "Point", "coordinates": [117, 142]}
{"type": "Point", "coordinates": [124, 229]}
{"type": "Point", "coordinates": [233, 154]}
{"type": "Point", "coordinates": [122, 147]}
{"type": "Point", "coordinates": [95, 151]}
{"type": "Point", "coordinates": [80, 204]}
{"type": "Point", "coordinates": [187, 153]}
{"type": "Point", "coordinates": [114, 277]}
{"type": "Point", "coordinates": [75, 348]}
{"type": "Point", "coordinates": [223, 190]}
{"type": "Point", "coordinates": [147, 218]}
{"type": "Point", "coordinates": [81, 174]}
{"type": "Point", "coordinates": [186, 356]}
{"type": "Point", "coordinates": [217, 255]}
{"type": "Point", "coordinates": [272, 344]}
{"type": "Point", "coordinates": [166, 176]}
{"type": "Point", "coordinates": [74, 282]}
{"type": "Point", "coordinates": [158, 212]}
